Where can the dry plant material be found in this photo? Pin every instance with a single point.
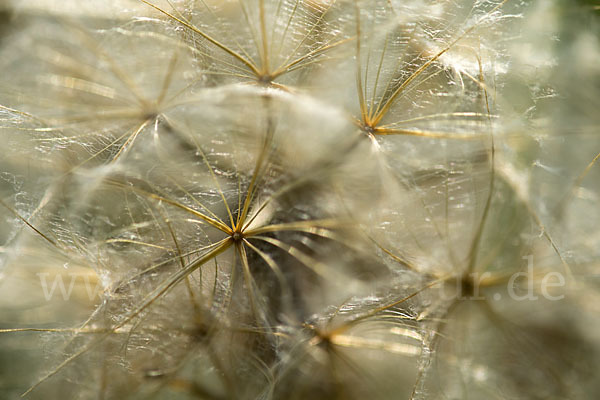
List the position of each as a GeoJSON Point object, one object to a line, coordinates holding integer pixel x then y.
{"type": "Point", "coordinates": [299, 199]}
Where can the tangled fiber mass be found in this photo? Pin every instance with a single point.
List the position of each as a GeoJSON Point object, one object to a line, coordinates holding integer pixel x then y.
{"type": "Point", "coordinates": [299, 199]}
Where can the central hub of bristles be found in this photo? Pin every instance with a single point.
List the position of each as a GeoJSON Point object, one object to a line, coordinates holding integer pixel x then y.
{"type": "Point", "coordinates": [237, 236]}
{"type": "Point", "coordinates": [265, 79]}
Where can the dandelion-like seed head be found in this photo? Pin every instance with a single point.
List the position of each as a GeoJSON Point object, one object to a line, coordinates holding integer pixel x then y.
{"type": "Point", "coordinates": [298, 199]}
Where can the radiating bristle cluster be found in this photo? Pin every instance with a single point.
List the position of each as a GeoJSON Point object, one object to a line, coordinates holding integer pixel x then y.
{"type": "Point", "coordinates": [299, 199]}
